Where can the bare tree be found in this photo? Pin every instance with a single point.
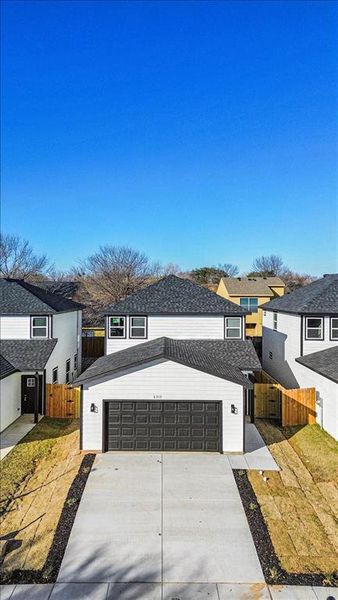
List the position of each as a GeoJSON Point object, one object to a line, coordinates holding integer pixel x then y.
{"type": "Point", "coordinates": [266, 266]}
{"type": "Point", "coordinates": [212, 275]}
{"type": "Point", "coordinates": [18, 260]}
{"type": "Point", "coordinates": [294, 280]}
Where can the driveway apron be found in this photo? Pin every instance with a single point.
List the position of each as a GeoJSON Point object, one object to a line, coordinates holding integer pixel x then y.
{"type": "Point", "coordinates": [161, 518]}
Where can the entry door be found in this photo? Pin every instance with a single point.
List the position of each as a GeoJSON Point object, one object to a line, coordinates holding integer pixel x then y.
{"type": "Point", "coordinates": [28, 394]}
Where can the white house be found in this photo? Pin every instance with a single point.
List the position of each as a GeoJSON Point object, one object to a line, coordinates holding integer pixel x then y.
{"type": "Point", "coordinates": [175, 373]}
{"type": "Point", "coordinates": [40, 342]}
{"type": "Point", "coordinates": [300, 344]}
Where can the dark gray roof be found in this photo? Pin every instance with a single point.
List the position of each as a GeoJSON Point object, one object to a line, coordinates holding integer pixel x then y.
{"type": "Point", "coordinates": [318, 297]}
{"type": "Point", "coordinates": [174, 295]}
{"type": "Point", "coordinates": [6, 368]}
{"type": "Point", "coordinates": [27, 355]}
{"type": "Point", "coordinates": [324, 362]}
{"type": "Point", "coordinates": [67, 289]}
{"type": "Point", "coordinates": [18, 297]}
{"type": "Point", "coordinates": [222, 358]}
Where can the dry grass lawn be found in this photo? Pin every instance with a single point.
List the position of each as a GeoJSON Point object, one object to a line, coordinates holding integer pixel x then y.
{"type": "Point", "coordinates": [34, 482]}
{"type": "Point", "coordinates": [300, 503]}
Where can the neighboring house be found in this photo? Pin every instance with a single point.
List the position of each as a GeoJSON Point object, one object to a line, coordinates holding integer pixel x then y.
{"type": "Point", "coordinates": [300, 344]}
{"type": "Point", "coordinates": [251, 293]}
{"type": "Point", "coordinates": [175, 375]}
{"type": "Point", "coordinates": [40, 335]}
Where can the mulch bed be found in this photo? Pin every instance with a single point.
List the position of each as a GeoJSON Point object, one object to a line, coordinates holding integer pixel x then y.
{"type": "Point", "coordinates": [273, 572]}
{"type": "Point", "coordinates": [56, 552]}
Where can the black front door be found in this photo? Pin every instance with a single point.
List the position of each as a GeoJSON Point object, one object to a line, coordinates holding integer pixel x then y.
{"type": "Point", "coordinates": [29, 383]}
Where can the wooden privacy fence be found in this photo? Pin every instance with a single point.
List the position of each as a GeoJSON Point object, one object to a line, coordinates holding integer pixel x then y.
{"type": "Point", "coordinates": [62, 401]}
{"type": "Point", "coordinates": [92, 347]}
{"type": "Point", "coordinates": [290, 407]}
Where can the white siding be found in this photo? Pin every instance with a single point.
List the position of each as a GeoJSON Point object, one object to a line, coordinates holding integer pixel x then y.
{"type": "Point", "coordinates": [169, 381]}
{"type": "Point", "coordinates": [327, 398]}
{"type": "Point", "coordinates": [10, 399]}
{"type": "Point", "coordinates": [15, 328]}
{"type": "Point", "coordinates": [65, 329]}
{"type": "Point", "coordinates": [285, 346]}
{"type": "Point", "coordinates": [177, 327]}
{"type": "Point", "coordinates": [310, 346]}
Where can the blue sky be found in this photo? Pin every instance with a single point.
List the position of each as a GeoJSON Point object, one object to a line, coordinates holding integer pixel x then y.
{"type": "Point", "coordinates": [198, 132]}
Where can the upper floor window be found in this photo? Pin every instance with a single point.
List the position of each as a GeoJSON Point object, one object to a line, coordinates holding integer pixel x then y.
{"type": "Point", "coordinates": [39, 327]}
{"type": "Point", "coordinates": [75, 362]}
{"type": "Point", "coordinates": [68, 370]}
{"type": "Point", "coordinates": [275, 321]}
{"type": "Point", "coordinates": [334, 328]}
{"type": "Point", "coordinates": [117, 327]}
{"type": "Point", "coordinates": [138, 327]}
{"type": "Point", "coordinates": [314, 328]}
{"type": "Point", "coordinates": [250, 304]}
{"type": "Point", "coordinates": [233, 327]}
{"type": "Point", "coordinates": [55, 375]}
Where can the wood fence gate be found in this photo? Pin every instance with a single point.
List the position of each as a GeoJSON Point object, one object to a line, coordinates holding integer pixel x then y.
{"type": "Point", "coordinates": [290, 407]}
{"type": "Point", "coordinates": [62, 401]}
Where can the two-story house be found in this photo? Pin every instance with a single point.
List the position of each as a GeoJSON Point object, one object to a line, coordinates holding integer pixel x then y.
{"type": "Point", "coordinates": [40, 342]}
{"type": "Point", "coordinates": [300, 344]}
{"type": "Point", "coordinates": [175, 375]}
{"type": "Point", "coordinates": [251, 293]}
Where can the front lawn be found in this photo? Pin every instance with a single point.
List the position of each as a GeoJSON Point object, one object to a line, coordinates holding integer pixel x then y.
{"type": "Point", "coordinates": [41, 479]}
{"type": "Point", "coordinates": [300, 503]}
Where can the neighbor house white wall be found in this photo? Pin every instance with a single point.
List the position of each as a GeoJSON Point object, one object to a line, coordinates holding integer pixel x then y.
{"type": "Point", "coordinates": [173, 326]}
{"type": "Point", "coordinates": [10, 399]}
{"type": "Point", "coordinates": [15, 328]}
{"type": "Point", "coordinates": [66, 329]}
{"type": "Point", "coordinates": [163, 380]}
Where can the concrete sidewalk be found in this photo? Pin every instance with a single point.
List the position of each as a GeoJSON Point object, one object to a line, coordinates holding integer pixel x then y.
{"type": "Point", "coordinates": [144, 591]}
{"type": "Point", "coordinates": [257, 455]}
{"type": "Point", "coordinates": [14, 433]}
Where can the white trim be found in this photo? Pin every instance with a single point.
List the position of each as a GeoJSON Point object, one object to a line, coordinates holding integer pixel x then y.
{"type": "Point", "coordinates": [226, 327]}
{"type": "Point", "coordinates": [40, 337]}
{"type": "Point", "coordinates": [314, 339]}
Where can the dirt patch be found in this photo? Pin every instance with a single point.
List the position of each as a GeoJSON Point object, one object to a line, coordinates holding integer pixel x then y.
{"type": "Point", "coordinates": [299, 503]}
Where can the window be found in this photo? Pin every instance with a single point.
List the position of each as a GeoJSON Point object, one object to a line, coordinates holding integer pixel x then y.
{"type": "Point", "coordinates": [250, 304]}
{"type": "Point", "coordinates": [55, 375]}
{"type": "Point", "coordinates": [270, 355]}
{"type": "Point", "coordinates": [233, 327]}
{"type": "Point", "coordinates": [68, 370]}
{"type": "Point", "coordinates": [39, 327]}
{"type": "Point", "coordinates": [30, 382]}
{"type": "Point", "coordinates": [334, 328]}
{"type": "Point", "coordinates": [75, 362]}
{"type": "Point", "coordinates": [138, 327]}
{"type": "Point", "coordinates": [314, 328]}
{"type": "Point", "coordinates": [275, 321]}
{"type": "Point", "coordinates": [117, 327]}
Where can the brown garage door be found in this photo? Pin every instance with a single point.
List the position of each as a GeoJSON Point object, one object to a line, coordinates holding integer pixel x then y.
{"type": "Point", "coordinates": [156, 426]}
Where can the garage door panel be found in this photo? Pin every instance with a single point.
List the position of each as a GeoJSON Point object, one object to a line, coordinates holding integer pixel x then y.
{"type": "Point", "coordinates": [156, 426]}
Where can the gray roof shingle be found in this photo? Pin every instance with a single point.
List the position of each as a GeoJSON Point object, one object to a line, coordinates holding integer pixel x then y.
{"type": "Point", "coordinates": [18, 297]}
{"type": "Point", "coordinates": [27, 355]}
{"type": "Point", "coordinates": [251, 286]}
{"type": "Point", "coordinates": [174, 295]}
{"type": "Point", "coordinates": [67, 289]}
{"type": "Point", "coordinates": [318, 297]}
{"type": "Point", "coordinates": [6, 368]}
{"type": "Point", "coordinates": [222, 358]}
{"type": "Point", "coordinates": [324, 362]}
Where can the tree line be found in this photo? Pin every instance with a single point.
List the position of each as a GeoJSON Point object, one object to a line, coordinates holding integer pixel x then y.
{"type": "Point", "coordinates": [114, 272]}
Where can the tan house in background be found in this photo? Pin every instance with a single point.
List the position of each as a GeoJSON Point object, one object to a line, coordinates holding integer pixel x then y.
{"type": "Point", "coordinates": [250, 293]}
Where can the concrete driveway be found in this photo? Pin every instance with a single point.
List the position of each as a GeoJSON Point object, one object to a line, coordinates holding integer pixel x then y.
{"type": "Point", "coordinates": [161, 518]}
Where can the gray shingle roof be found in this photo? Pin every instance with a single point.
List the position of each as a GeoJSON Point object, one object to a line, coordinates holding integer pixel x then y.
{"type": "Point", "coordinates": [324, 362]}
{"type": "Point", "coordinates": [223, 358]}
{"type": "Point", "coordinates": [251, 286]}
{"type": "Point", "coordinates": [6, 368]}
{"type": "Point", "coordinates": [27, 355]}
{"type": "Point", "coordinates": [318, 297]}
{"type": "Point", "coordinates": [174, 295]}
{"type": "Point", "coordinates": [67, 289]}
{"type": "Point", "coordinates": [17, 297]}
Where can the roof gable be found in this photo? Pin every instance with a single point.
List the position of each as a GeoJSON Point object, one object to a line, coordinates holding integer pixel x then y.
{"type": "Point", "coordinates": [6, 368]}
{"type": "Point", "coordinates": [324, 362]}
{"type": "Point", "coordinates": [174, 295]}
{"type": "Point", "coordinates": [318, 297]}
{"type": "Point", "coordinates": [27, 355]}
{"type": "Point", "coordinates": [222, 358]}
{"type": "Point", "coordinates": [251, 286]}
{"type": "Point", "coordinates": [18, 297]}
